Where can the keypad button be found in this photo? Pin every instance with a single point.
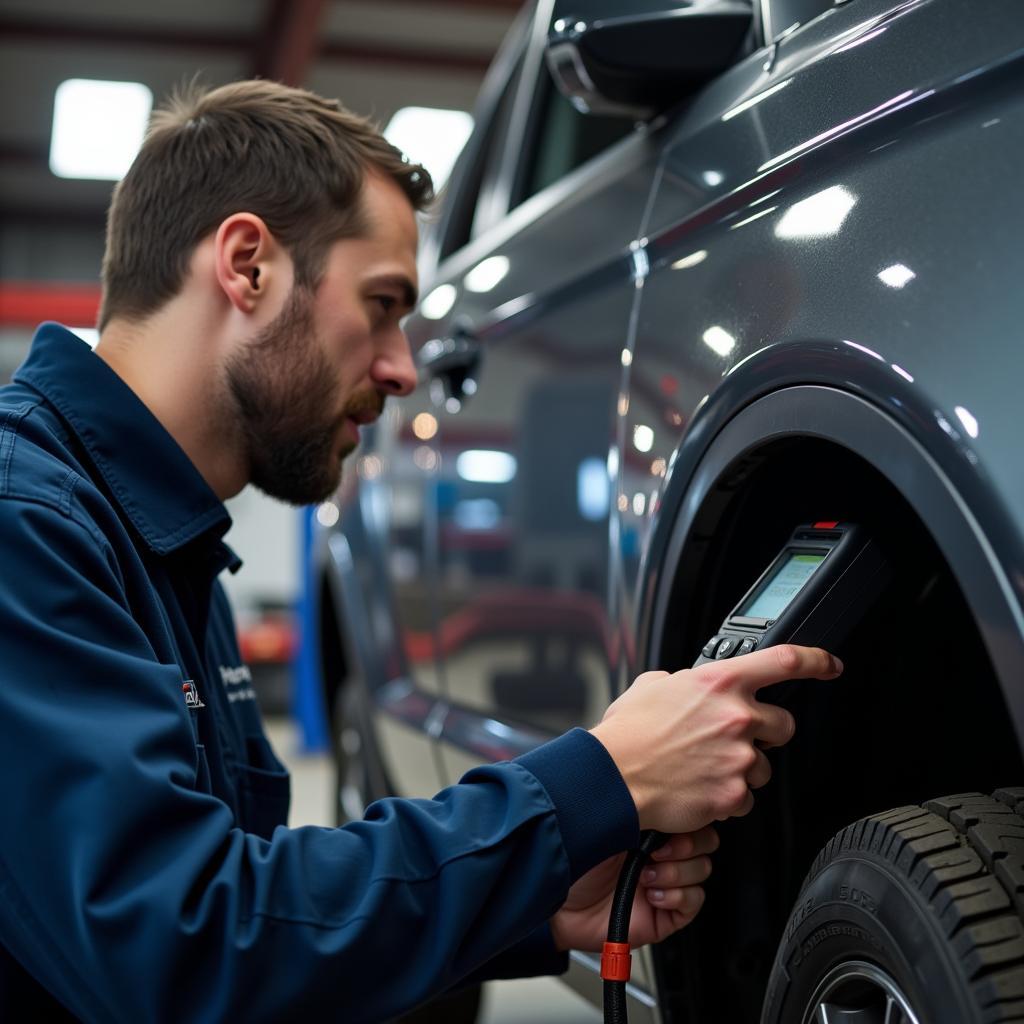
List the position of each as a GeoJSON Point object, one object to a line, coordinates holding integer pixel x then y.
{"type": "Point", "coordinates": [709, 647]}
{"type": "Point", "coordinates": [747, 644]}
{"type": "Point", "coordinates": [726, 648]}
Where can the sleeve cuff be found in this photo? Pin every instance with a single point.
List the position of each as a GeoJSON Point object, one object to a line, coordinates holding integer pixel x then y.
{"type": "Point", "coordinates": [595, 811]}
{"type": "Point", "coordinates": [531, 957]}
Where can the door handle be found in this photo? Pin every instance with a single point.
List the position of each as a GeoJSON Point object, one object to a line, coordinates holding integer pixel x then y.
{"type": "Point", "coordinates": [453, 365]}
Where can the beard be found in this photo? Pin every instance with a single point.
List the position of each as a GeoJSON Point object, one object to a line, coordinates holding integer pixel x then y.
{"type": "Point", "coordinates": [285, 395]}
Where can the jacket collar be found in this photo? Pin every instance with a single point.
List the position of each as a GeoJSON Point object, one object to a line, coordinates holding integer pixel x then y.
{"type": "Point", "coordinates": [146, 471]}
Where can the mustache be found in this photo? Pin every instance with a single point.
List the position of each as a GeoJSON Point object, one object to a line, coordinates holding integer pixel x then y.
{"type": "Point", "coordinates": [369, 401]}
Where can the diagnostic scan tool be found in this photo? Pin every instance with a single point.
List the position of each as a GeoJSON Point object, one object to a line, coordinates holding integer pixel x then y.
{"type": "Point", "coordinates": [817, 588]}
{"type": "Point", "coordinates": [815, 591]}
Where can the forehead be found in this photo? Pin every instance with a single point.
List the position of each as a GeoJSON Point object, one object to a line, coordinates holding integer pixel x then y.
{"type": "Point", "coordinates": [387, 244]}
{"type": "Point", "coordinates": [388, 213]}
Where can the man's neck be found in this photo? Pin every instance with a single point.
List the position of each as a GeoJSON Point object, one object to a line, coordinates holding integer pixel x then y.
{"type": "Point", "coordinates": [171, 364]}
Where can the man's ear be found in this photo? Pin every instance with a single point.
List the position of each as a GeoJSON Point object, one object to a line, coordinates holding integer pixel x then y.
{"type": "Point", "coordinates": [247, 260]}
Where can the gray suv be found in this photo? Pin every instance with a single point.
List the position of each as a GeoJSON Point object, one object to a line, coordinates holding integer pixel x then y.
{"type": "Point", "coordinates": [706, 271]}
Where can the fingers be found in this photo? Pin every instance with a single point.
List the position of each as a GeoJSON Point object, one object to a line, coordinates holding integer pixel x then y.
{"type": "Point", "coordinates": [687, 901]}
{"type": "Point", "coordinates": [772, 726]}
{"type": "Point", "coordinates": [687, 844]}
{"type": "Point", "coordinates": [739, 808]}
{"type": "Point", "coordinates": [760, 775]}
{"type": "Point", "coordinates": [750, 672]}
{"type": "Point", "coordinates": [676, 874]}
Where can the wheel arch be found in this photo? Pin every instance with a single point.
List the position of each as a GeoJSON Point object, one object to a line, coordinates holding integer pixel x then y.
{"type": "Point", "coordinates": [340, 655]}
{"type": "Point", "coordinates": [789, 391]}
{"type": "Point", "coordinates": [821, 785]}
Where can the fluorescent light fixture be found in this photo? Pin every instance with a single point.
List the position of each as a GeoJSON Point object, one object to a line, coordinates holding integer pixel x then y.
{"type": "Point", "coordinates": [593, 489]}
{"type": "Point", "coordinates": [437, 304]}
{"type": "Point", "coordinates": [754, 100]}
{"type": "Point", "coordinates": [369, 467]}
{"type": "Point", "coordinates": [691, 261]}
{"type": "Point", "coordinates": [425, 458]}
{"type": "Point", "coordinates": [713, 178]}
{"type": "Point", "coordinates": [643, 438]}
{"type": "Point", "coordinates": [896, 276]}
{"type": "Point", "coordinates": [487, 274]}
{"type": "Point", "coordinates": [328, 514]}
{"type": "Point", "coordinates": [818, 216]}
{"type": "Point", "coordinates": [969, 421]}
{"type": "Point", "coordinates": [98, 127]}
{"type": "Point", "coordinates": [477, 514]}
{"type": "Point", "coordinates": [89, 335]}
{"type": "Point", "coordinates": [627, 357]}
{"type": "Point", "coordinates": [430, 136]}
{"type": "Point", "coordinates": [719, 340]}
{"type": "Point", "coordinates": [424, 426]}
{"type": "Point", "coordinates": [481, 466]}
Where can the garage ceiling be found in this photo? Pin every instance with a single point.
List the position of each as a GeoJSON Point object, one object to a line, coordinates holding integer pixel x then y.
{"type": "Point", "coordinates": [374, 55]}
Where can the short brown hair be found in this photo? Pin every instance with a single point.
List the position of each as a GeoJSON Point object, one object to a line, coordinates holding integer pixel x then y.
{"type": "Point", "coordinates": [287, 155]}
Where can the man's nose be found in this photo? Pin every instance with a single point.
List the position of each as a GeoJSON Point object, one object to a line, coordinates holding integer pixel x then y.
{"type": "Point", "coordinates": [394, 371]}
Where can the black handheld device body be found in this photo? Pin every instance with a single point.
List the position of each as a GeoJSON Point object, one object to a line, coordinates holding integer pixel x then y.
{"type": "Point", "coordinates": [815, 591]}
{"type": "Point", "coordinates": [817, 588]}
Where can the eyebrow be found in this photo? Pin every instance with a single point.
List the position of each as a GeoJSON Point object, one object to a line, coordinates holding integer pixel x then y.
{"type": "Point", "coordinates": [398, 281]}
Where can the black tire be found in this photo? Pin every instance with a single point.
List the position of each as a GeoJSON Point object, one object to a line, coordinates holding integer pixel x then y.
{"type": "Point", "coordinates": [359, 777]}
{"type": "Point", "coordinates": [919, 905]}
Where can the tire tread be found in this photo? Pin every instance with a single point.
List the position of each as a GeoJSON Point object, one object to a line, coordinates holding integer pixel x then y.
{"type": "Point", "coordinates": [964, 854]}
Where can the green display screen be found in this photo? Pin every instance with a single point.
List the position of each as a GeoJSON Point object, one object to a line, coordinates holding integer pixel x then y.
{"type": "Point", "coordinates": [770, 600]}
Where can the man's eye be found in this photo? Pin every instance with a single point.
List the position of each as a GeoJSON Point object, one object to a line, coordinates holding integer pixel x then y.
{"type": "Point", "coordinates": [387, 302]}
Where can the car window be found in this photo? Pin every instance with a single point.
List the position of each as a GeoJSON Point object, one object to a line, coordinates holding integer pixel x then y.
{"type": "Point", "coordinates": [468, 199]}
{"type": "Point", "coordinates": [487, 208]}
{"type": "Point", "coordinates": [780, 15]}
{"type": "Point", "coordinates": [560, 138]}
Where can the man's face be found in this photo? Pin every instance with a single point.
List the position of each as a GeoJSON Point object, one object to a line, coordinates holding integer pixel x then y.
{"type": "Point", "coordinates": [329, 359]}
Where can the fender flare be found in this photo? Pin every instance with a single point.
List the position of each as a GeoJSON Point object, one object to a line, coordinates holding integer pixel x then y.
{"type": "Point", "coordinates": [831, 414]}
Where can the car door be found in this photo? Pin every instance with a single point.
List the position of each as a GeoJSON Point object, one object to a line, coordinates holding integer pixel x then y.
{"type": "Point", "coordinates": [521, 336]}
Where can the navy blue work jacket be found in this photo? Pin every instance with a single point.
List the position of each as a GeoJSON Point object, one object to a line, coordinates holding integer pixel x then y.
{"type": "Point", "coordinates": [146, 870]}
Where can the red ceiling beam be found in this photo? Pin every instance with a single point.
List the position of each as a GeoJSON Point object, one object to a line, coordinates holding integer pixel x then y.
{"type": "Point", "coordinates": [47, 33]}
{"type": "Point", "coordinates": [28, 303]}
{"type": "Point", "coordinates": [492, 5]}
{"type": "Point", "coordinates": [422, 60]}
{"type": "Point", "coordinates": [289, 43]}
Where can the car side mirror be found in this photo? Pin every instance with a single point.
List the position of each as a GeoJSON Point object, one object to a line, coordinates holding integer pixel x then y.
{"type": "Point", "coordinates": [637, 63]}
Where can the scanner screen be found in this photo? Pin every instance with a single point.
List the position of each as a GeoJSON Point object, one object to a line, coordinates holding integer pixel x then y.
{"type": "Point", "coordinates": [770, 600]}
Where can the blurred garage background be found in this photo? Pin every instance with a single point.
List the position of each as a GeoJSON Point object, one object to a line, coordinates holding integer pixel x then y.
{"type": "Point", "coordinates": [413, 65]}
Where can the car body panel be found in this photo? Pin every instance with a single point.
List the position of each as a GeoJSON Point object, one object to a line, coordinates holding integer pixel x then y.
{"type": "Point", "coordinates": [805, 302]}
{"type": "Point", "coordinates": [837, 215]}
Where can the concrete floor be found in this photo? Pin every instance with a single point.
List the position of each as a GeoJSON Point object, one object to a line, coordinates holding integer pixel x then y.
{"type": "Point", "coordinates": [505, 1002]}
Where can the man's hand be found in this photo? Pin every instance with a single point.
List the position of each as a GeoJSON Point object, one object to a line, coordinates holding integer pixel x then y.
{"type": "Point", "coordinates": [688, 745]}
{"type": "Point", "coordinates": [667, 898]}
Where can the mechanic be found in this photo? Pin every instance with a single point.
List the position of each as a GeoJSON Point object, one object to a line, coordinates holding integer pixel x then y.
{"type": "Point", "coordinates": [260, 255]}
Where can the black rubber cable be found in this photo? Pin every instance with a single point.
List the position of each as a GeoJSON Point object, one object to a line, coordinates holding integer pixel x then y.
{"type": "Point", "coordinates": [618, 920]}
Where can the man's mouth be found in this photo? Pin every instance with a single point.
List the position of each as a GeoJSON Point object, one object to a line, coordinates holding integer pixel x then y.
{"type": "Point", "coordinates": [364, 417]}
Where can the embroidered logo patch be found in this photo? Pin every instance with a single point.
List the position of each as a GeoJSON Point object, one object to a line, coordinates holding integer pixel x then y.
{"type": "Point", "coordinates": [191, 695]}
{"type": "Point", "coordinates": [237, 682]}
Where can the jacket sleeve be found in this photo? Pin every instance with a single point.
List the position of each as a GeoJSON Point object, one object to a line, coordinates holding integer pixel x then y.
{"type": "Point", "coordinates": [531, 957]}
{"type": "Point", "coordinates": [133, 897]}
